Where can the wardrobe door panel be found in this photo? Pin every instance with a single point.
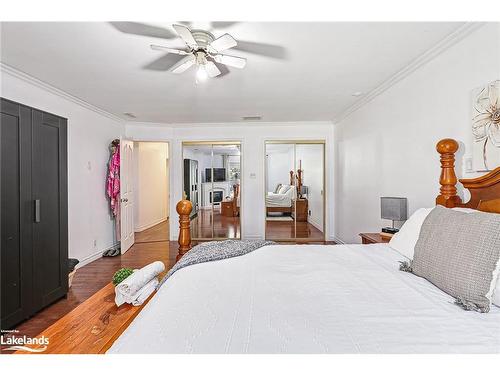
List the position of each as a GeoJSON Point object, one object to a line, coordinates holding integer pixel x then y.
{"type": "Point", "coordinates": [16, 266]}
{"type": "Point", "coordinates": [50, 204]}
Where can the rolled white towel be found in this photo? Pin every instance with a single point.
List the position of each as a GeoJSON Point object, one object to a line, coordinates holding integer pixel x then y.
{"type": "Point", "coordinates": [129, 287]}
{"type": "Point", "coordinates": [139, 297]}
{"type": "Point", "coordinates": [145, 292]}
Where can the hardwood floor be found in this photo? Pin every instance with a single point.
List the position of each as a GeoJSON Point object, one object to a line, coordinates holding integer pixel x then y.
{"type": "Point", "coordinates": [160, 232]}
{"type": "Point", "coordinates": [94, 276]}
{"type": "Point", "coordinates": [229, 227]}
{"type": "Point", "coordinates": [223, 226]}
{"type": "Point", "coordinates": [280, 230]}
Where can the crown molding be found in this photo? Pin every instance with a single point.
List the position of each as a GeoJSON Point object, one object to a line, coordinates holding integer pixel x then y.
{"type": "Point", "coordinates": [450, 40]}
{"type": "Point", "coordinates": [7, 69]}
{"type": "Point", "coordinates": [256, 124]}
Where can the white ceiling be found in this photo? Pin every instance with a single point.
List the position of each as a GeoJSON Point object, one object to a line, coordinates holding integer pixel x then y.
{"type": "Point", "coordinates": [324, 64]}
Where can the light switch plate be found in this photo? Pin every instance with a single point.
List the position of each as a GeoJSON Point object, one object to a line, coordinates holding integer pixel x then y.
{"type": "Point", "coordinates": [253, 175]}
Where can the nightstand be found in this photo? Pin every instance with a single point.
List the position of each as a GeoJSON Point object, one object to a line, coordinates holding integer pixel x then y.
{"type": "Point", "coordinates": [367, 238]}
{"type": "Point", "coordinates": [227, 208]}
{"type": "Point", "coordinates": [302, 210]}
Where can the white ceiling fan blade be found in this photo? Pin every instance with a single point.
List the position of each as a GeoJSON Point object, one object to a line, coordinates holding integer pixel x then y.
{"type": "Point", "coordinates": [223, 43]}
{"type": "Point", "coordinates": [169, 50]}
{"type": "Point", "coordinates": [234, 61]}
{"type": "Point", "coordinates": [212, 69]}
{"type": "Point", "coordinates": [185, 34]}
{"type": "Point", "coordinates": [183, 65]}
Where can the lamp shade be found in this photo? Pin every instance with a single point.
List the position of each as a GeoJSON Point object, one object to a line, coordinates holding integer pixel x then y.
{"type": "Point", "coordinates": [393, 208]}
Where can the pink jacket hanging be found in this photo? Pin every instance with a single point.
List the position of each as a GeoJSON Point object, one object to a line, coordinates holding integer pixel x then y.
{"type": "Point", "coordinates": [113, 181]}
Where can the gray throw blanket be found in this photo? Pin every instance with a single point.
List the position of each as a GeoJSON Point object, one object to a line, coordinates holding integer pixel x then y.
{"type": "Point", "coordinates": [215, 250]}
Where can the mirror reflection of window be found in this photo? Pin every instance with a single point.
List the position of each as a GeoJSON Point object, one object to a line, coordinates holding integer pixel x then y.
{"type": "Point", "coordinates": [216, 184]}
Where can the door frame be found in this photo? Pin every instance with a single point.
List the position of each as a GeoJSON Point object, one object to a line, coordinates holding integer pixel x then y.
{"type": "Point", "coordinates": [265, 179]}
{"type": "Point", "coordinates": [168, 174]}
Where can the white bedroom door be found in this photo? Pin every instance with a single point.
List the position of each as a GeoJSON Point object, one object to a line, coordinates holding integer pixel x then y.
{"type": "Point", "coordinates": [126, 194]}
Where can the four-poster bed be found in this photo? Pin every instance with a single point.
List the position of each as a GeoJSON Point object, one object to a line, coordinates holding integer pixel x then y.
{"type": "Point", "coordinates": [330, 298]}
{"type": "Point", "coordinates": [276, 202]}
{"type": "Point", "coordinates": [484, 190]}
{"type": "Point", "coordinates": [292, 201]}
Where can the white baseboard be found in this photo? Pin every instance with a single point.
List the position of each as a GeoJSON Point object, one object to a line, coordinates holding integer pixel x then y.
{"type": "Point", "coordinates": [253, 237]}
{"type": "Point", "coordinates": [150, 225]}
{"type": "Point", "coordinates": [314, 223]}
{"type": "Point", "coordinates": [92, 257]}
{"type": "Point", "coordinates": [338, 240]}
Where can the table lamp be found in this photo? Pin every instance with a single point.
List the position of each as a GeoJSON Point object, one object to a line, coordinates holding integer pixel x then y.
{"type": "Point", "coordinates": [395, 209]}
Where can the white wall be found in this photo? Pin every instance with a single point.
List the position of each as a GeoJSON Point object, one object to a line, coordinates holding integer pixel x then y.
{"type": "Point", "coordinates": [280, 161]}
{"type": "Point", "coordinates": [89, 136]}
{"type": "Point", "coordinates": [253, 137]}
{"type": "Point", "coordinates": [151, 185]}
{"type": "Point", "coordinates": [311, 157]}
{"type": "Point", "coordinates": [387, 147]}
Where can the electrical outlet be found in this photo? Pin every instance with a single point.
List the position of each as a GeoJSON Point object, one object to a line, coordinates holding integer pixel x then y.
{"type": "Point", "coordinates": [309, 212]}
{"type": "Point", "coordinates": [95, 244]}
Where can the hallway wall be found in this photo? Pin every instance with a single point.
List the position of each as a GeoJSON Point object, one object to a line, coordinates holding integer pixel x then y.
{"type": "Point", "coordinates": [151, 184]}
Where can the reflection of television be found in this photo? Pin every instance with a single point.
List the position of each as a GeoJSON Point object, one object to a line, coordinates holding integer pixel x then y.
{"type": "Point", "coordinates": [219, 174]}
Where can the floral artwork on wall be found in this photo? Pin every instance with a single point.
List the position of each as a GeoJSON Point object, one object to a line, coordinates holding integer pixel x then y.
{"type": "Point", "coordinates": [486, 127]}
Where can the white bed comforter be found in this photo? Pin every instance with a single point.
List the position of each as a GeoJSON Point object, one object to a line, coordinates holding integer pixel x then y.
{"type": "Point", "coordinates": [278, 200]}
{"type": "Point", "coordinates": [307, 299]}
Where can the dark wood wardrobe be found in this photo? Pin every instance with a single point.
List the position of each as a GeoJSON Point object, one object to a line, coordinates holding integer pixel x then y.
{"type": "Point", "coordinates": [34, 211]}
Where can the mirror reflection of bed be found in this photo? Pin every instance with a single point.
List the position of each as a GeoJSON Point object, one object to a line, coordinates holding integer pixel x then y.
{"type": "Point", "coordinates": [212, 184]}
{"type": "Point", "coordinates": [294, 191]}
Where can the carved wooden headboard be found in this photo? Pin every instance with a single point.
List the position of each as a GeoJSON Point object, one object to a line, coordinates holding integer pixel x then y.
{"type": "Point", "coordinates": [484, 190]}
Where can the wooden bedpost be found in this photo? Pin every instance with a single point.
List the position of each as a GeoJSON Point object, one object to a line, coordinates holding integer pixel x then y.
{"type": "Point", "coordinates": [292, 180]}
{"type": "Point", "coordinates": [299, 180]}
{"type": "Point", "coordinates": [184, 208]}
{"type": "Point", "coordinates": [448, 192]}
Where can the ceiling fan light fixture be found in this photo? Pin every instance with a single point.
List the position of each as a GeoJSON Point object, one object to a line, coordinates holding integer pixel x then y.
{"type": "Point", "coordinates": [201, 74]}
{"type": "Point", "coordinates": [203, 51]}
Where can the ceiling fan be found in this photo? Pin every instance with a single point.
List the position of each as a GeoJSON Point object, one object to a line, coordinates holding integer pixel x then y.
{"type": "Point", "coordinates": [204, 51]}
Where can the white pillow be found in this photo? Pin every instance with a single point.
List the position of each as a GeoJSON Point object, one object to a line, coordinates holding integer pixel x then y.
{"type": "Point", "coordinates": [284, 189]}
{"type": "Point", "coordinates": [404, 241]}
{"type": "Point", "coordinates": [292, 193]}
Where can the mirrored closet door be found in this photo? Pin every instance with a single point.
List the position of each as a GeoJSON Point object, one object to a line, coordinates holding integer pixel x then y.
{"type": "Point", "coordinates": [295, 201]}
{"type": "Point", "coordinates": [211, 181]}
